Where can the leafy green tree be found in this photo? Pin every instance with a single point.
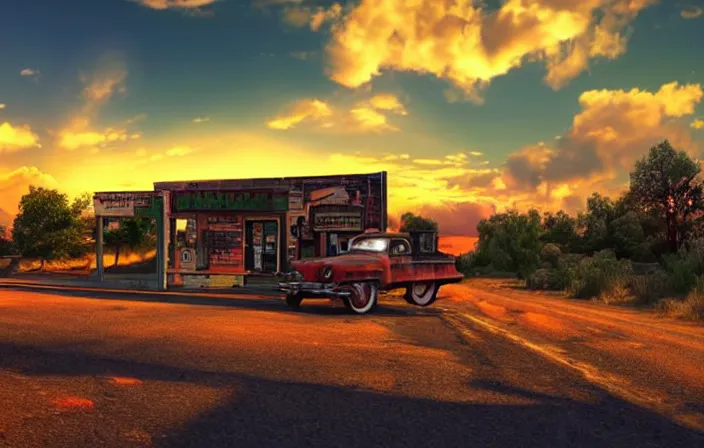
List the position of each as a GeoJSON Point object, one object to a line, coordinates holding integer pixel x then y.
{"type": "Point", "coordinates": [666, 181]}
{"type": "Point", "coordinates": [5, 242]}
{"type": "Point", "coordinates": [410, 222]}
{"type": "Point", "coordinates": [132, 233]}
{"type": "Point", "coordinates": [511, 241]}
{"type": "Point", "coordinates": [593, 224]}
{"type": "Point", "coordinates": [559, 228]}
{"type": "Point", "coordinates": [47, 226]}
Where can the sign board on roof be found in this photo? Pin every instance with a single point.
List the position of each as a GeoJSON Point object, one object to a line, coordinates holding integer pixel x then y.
{"type": "Point", "coordinates": [120, 204]}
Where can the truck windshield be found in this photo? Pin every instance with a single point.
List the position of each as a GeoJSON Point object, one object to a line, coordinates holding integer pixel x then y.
{"type": "Point", "coordinates": [371, 245]}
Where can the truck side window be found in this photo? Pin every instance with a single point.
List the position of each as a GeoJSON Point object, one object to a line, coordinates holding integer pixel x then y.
{"type": "Point", "coordinates": [400, 247]}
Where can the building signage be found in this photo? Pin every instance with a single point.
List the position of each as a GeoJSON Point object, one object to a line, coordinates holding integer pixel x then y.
{"type": "Point", "coordinates": [228, 201]}
{"type": "Point", "coordinates": [342, 221]}
{"type": "Point", "coordinates": [120, 204]}
{"type": "Point", "coordinates": [295, 200]}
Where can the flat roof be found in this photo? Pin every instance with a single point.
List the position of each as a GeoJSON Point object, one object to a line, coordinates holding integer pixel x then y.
{"type": "Point", "coordinates": [260, 182]}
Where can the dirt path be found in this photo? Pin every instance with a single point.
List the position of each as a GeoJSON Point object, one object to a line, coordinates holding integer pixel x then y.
{"type": "Point", "coordinates": [653, 360]}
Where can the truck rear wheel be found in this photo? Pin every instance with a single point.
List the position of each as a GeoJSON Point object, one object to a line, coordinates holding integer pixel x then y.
{"type": "Point", "coordinates": [421, 293]}
{"type": "Point", "coordinates": [363, 297]}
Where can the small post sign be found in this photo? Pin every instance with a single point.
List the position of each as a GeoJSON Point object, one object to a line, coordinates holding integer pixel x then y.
{"type": "Point", "coordinates": [120, 204]}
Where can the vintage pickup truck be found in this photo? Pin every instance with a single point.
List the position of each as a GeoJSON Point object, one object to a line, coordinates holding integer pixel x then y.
{"type": "Point", "coordinates": [375, 262]}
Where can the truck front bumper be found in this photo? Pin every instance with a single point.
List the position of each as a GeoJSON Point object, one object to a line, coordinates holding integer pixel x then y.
{"type": "Point", "coordinates": [313, 290]}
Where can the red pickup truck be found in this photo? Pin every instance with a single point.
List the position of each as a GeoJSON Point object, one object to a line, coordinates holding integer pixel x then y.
{"type": "Point", "coordinates": [375, 262]}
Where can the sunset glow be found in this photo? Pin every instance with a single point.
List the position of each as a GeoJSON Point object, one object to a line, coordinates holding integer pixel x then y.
{"type": "Point", "coordinates": [469, 108]}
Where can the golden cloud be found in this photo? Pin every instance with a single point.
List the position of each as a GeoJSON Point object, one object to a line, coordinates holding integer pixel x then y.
{"type": "Point", "coordinates": [174, 4]}
{"type": "Point", "coordinates": [179, 151]}
{"type": "Point", "coordinates": [613, 130]}
{"type": "Point", "coordinates": [691, 12]}
{"type": "Point", "coordinates": [300, 16]}
{"type": "Point", "coordinates": [98, 88]}
{"type": "Point", "coordinates": [201, 119]}
{"type": "Point", "coordinates": [469, 46]}
{"type": "Point", "coordinates": [387, 101]}
{"type": "Point", "coordinates": [364, 116]}
{"type": "Point", "coordinates": [16, 138]}
{"type": "Point", "coordinates": [698, 124]}
{"type": "Point", "coordinates": [70, 140]}
{"type": "Point", "coordinates": [2, 106]}
{"type": "Point", "coordinates": [306, 109]}
{"type": "Point", "coordinates": [15, 183]}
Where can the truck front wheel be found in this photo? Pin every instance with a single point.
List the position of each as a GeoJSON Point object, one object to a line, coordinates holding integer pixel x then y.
{"type": "Point", "coordinates": [363, 297]}
{"type": "Point", "coordinates": [421, 293]}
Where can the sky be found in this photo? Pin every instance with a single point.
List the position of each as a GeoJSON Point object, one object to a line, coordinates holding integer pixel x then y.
{"type": "Point", "coordinates": [472, 106]}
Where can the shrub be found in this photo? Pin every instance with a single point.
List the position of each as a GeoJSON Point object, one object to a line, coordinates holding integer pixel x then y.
{"type": "Point", "coordinates": [649, 288]}
{"type": "Point", "coordinates": [550, 253]}
{"type": "Point", "coordinates": [546, 279]}
{"type": "Point", "coordinates": [691, 307]}
{"type": "Point", "coordinates": [600, 275]}
{"type": "Point", "coordinates": [465, 262]}
{"type": "Point", "coordinates": [681, 271]}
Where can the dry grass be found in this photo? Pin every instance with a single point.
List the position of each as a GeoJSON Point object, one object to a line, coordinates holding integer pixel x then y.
{"type": "Point", "coordinates": [691, 308]}
{"type": "Point", "coordinates": [86, 263]}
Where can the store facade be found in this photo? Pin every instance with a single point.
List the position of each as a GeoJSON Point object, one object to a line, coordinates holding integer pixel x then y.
{"type": "Point", "coordinates": [221, 232]}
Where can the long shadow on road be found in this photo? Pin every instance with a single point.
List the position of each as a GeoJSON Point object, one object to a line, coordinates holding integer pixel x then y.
{"type": "Point", "coordinates": [267, 413]}
{"type": "Point", "coordinates": [263, 303]}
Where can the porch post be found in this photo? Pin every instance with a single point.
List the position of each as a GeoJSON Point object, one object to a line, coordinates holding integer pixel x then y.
{"type": "Point", "coordinates": [99, 248]}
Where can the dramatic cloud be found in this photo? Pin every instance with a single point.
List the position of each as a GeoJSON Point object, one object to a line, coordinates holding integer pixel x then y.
{"type": "Point", "coordinates": [698, 124]}
{"type": "Point", "coordinates": [691, 12]}
{"type": "Point", "coordinates": [174, 4]}
{"type": "Point", "coordinates": [613, 130]}
{"type": "Point", "coordinates": [306, 109]}
{"type": "Point", "coordinates": [16, 138]}
{"type": "Point", "coordinates": [364, 116]}
{"type": "Point", "coordinates": [15, 183]}
{"type": "Point", "coordinates": [2, 106]}
{"type": "Point", "coordinates": [458, 218]}
{"type": "Point", "coordinates": [469, 46]}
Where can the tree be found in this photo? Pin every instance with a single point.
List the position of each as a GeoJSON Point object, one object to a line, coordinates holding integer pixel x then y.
{"type": "Point", "coordinates": [5, 243]}
{"type": "Point", "coordinates": [560, 229]}
{"type": "Point", "coordinates": [510, 242]}
{"type": "Point", "coordinates": [131, 233]}
{"type": "Point", "coordinates": [47, 226]}
{"type": "Point", "coordinates": [410, 222]}
{"type": "Point", "coordinates": [666, 181]}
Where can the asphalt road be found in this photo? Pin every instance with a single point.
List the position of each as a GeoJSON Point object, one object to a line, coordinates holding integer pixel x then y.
{"type": "Point", "coordinates": [104, 369]}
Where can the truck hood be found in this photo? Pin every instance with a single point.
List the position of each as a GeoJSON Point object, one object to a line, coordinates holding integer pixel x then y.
{"type": "Point", "coordinates": [340, 260]}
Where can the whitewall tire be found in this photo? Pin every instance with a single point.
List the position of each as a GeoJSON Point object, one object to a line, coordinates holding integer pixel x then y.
{"type": "Point", "coordinates": [363, 297]}
{"type": "Point", "coordinates": [422, 293]}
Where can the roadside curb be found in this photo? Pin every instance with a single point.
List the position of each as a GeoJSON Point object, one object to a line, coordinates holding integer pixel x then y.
{"type": "Point", "coordinates": [223, 294]}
